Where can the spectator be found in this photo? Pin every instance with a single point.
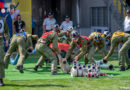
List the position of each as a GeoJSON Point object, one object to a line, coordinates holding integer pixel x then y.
{"type": "Point", "coordinates": [49, 22]}
{"type": "Point", "coordinates": [127, 22]}
{"type": "Point", "coordinates": [67, 23]}
{"type": "Point", "coordinates": [127, 26]}
{"type": "Point", "coordinates": [19, 25]}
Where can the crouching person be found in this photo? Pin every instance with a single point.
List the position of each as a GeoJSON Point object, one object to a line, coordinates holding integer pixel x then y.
{"type": "Point", "coordinates": [117, 38]}
{"type": "Point", "coordinates": [3, 31]}
{"type": "Point", "coordinates": [43, 47]}
{"type": "Point", "coordinates": [21, 43]}
{"type": "Point", "coordinates": [84, 45]}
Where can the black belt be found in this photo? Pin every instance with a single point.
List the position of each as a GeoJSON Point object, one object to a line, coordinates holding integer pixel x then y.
{"type": "Point", "coordinates": [127, 32]}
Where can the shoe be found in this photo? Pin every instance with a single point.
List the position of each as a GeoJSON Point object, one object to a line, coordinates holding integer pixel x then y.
{"type": "Point", "coordinates": [128, 67]}
{"type": "Point", "coordinates": [35, 68]}
{"type": "Point", "coordinates": [1, 82]}
{"type": "Point", "coordinates": [122, 69]}
{"type": "Point", "coordinates": [20, 68]}
{"type": "Point", "coordinates": [54, 73]}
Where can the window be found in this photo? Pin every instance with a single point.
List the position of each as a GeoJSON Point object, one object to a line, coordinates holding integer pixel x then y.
{"type": "Point", "coordinates": [99, 16]}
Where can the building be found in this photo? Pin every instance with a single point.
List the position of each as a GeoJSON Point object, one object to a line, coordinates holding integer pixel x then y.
{"type": "Point", "coordinates": [88, 15]}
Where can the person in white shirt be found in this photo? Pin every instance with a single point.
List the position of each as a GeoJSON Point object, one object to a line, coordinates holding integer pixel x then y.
{"type": "Point", "coordinates": [49, 22]}
{"type": "Point", "coordinates": [127, 22]}
{"type": "Point", "coordinates": [65, 24]}
{"type": "Point", "coordinates": [127, 26]}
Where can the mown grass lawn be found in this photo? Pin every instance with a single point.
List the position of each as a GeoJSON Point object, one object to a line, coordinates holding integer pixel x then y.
{"type": "Point", "coordinates": [106, 83]}
{"type": "Point", "coordinates": [42, 80]}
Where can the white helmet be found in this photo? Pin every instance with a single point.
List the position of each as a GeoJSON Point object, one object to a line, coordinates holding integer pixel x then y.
{"type": "Point", "coordinates": [70, 29]}
{"type": "Point", "coordinates": [107, 34]}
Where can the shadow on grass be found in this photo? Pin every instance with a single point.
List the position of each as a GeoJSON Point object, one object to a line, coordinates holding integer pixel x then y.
{"type": "Point", "coordinates": [46, 85]}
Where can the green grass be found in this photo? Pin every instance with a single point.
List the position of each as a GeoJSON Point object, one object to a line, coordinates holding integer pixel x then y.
{"type": "Point", "coordinates": [42, 80]}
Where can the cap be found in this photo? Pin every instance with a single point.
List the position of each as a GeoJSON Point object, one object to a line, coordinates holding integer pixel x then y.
{"type": "Point", "coordinates": [128, 11]}
{"type": "Point", "coordinates": [67, 16]}
{"type": "Point", "coordinates": [50, 13]}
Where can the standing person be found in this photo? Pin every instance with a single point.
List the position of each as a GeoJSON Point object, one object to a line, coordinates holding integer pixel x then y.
{"type": "Point", "coordinates": [65, 24]}
{"type": "Point", "coordinates": [127, 22]}
{"type": "Point", "coordinates": [43, 47]}
{"type": "Point", "coordinates": [49, 22]}
{"type": "Point", "coordinates": [127, 26]}
{"type": "Point", "coordinates": [4, 30]}
{"type": "Point", "coordinates": [19, 25]}
{"type": "Point", "coordinates": [117, 38]}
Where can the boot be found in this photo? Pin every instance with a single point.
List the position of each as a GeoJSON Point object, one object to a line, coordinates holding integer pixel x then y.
{"type": "Point", "coordinates": [1, 82]}
{"type": "Point", "coordinates": [53, 72]}
{"type": "Point", "coordinates": [20, 68]}
{"type": "Point", "coordinates": [122, 69]}
{"type": "Point", "coordinates": [128, 67]}
{"type": "Point", "coordinates": [35, 68]}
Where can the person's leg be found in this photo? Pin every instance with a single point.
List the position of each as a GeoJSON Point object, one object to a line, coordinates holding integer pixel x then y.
{"type": "Point", "coordinates": [39, 63]}
{"type": "Point", "coordinates": [123, 55]}
{"type": "Point", "coordinates": [22, 53]}
{"type": "Point", "coordinates": [11, 49]}
{"type": "Point", "coordinates": [91, 53]}
{"type": "Point", "coordinates": [2, 74]}
{"type": "Point", "coordinates": [48, 53]}
{"type": "Point", "coordinates": [2, 69]}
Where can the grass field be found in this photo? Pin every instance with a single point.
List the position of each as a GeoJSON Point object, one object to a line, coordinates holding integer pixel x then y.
{"type": "Point", "coordinates": [42, 80]}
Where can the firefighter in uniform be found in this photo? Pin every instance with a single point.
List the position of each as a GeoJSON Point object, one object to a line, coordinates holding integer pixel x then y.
{"type": "Point", "coordinates": [98, 40]}
{"type": "Point", "coordinates": [22, 43]}
{"type": "Point", "coordinates": [117, 38]}
{"type": "Point", "coordinates": [43, 47]}
{"type": "Point", "coordinates": [4, 30]}
{"type": "Point", "coordinates": [83, 43]}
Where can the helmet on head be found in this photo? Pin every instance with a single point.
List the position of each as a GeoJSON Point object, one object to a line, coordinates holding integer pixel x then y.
{"type": "Point", "coordinates": [56, 27]}
{"type": "Point", "coordinates": [107, 34]}
{"type": "Point", "coordinates": [97, 37]}
{"type": "Point", "coordinates": [70, 29]}
{"type": "Point", "coordinates": [75, 34]}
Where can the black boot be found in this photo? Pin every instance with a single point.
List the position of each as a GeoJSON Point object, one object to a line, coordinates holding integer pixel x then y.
{"type": "Point", "coordinates": [20, 68]}
{"type": "Point", "coordinates": [54, 73]}
{"type": "Point", "coordinates": [1, 82]}
{"type": "Point", "coordinates": [122, 69]}
{"type": "Point", "coordinates": [35, 68]}
{"type": "Point", "coordinates": [128, 67]}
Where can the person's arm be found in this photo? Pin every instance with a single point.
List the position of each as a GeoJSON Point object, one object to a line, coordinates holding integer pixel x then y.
{"type": "Point", "coordinates": [113, 45]}
{"type": "Point", "coordinates": [55, 44]}
{"type": "Point", "coordinates": [14, 27]}
{"type": "Point", "coordinates": [71, 47]}
{"type": "Point", "coordinates": [62, 33]}
{"type": "Point", "coordinates": [83, 50]}
{"type": "Point", "coordinates": [44, 26]}
{"type": "Point", "coordinates": [61, 26]}
{"type": "Point", "coordinates": [6, 33]}
{"type": "Point", "coordinates": [23, 25]}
